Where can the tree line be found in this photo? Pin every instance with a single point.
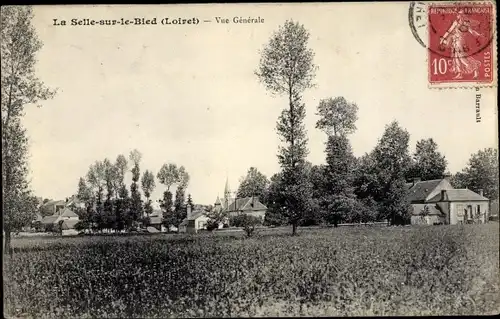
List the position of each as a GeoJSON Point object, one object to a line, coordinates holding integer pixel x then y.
{"type": "Point", "coordinates": [346, 188]}
{"type": "Point", "coordinates": [110, 205]}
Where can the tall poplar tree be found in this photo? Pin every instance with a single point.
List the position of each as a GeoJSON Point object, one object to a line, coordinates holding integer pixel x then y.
{"type": "Point", "coordinates": [286, 68]}
{"type": "Point", "coordinates": [20, 87]}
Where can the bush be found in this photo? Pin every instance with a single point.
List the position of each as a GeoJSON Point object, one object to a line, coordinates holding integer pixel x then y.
{"type": "Point", "coordinates": [212, 225]}
{"type": "Point", "coordinates": [248, 223]}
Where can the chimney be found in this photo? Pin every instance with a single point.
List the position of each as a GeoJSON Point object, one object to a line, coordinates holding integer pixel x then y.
{"type": "Point", "coordinates": [481, 192]}
{"type": "Point", "coordinates": [444, 196]}
{"type": "Point", "coordinates": [188, 211]}
{"type": "Point", "coordinates": [416, 180]}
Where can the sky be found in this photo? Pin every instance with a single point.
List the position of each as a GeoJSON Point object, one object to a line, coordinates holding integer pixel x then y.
{"type": "Point", "coordinates": [187, 94]}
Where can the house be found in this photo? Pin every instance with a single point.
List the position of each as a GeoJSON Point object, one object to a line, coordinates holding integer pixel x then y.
{"type": "Point", "coordinates": [195, 221]}
{"type": "Point", "coordinates": [461, 206]}
{"type": "Point", "coordinates": [52, 207]}
{"type": "Point", "coordinates": [437, 202]}
{"type": "Point", "coordinates": [237, 206]}
{"type": "Point", "coordinates": [156, 220]}
{"type": "Point", "coordinates": [50, 223]}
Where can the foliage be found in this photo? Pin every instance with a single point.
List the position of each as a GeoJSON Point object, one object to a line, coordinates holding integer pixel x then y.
{"type": "Point", "coordinates": [338, 116]}
{"type": "Point", "coordinates": [148, 185]}
{"type": "Point", "coordinates": [481, 172]}
{"type": "Point", "coordinates": [190, 201]}
{"type": "Point", "coordinates": [427, 163]}
{"type": "Point", "coordinates": [253, 184]}
{"type": "Point", "coordinates": [286, 68]}
{"type": "Point", "coordinates": [247, 222]}
{"type": "Point", "coordinates": [391, 164]}
{"type": "Point", "coordinates": [136, 207]}
{"type": "Point", "coordinates": [286, 63]}
{"type": "Point", "coordinates": [180, 212]}
{"type": "Point", "coordinates": [20, 87]}
{"type": "Point", "coordinates": [274, 200]}
{"type": "Point", "coordinates": [168, 175]}
{"type": "Point", "coordinates": [166, 205]}
{"type": "Point", "coordinates": [362, 271]}
{"type": "Point", "coordinates": [216, 216]}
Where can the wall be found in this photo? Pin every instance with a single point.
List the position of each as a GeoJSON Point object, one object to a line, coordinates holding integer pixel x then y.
{"type": "Point", "coordinates": [457, 210]}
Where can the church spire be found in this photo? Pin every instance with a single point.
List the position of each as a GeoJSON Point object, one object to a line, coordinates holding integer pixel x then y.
{"type": "Point", "coordinates": [227, 191]}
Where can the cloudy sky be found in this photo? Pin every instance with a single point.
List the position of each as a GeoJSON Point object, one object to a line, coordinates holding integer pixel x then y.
{"type": "Point", "coordinates": [187, 94]}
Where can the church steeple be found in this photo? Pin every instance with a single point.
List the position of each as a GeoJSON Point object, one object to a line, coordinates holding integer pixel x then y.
{"type": "Point", "coordinates": [227, 191]}
{"type": "Point", "coordinates": [227, 194]}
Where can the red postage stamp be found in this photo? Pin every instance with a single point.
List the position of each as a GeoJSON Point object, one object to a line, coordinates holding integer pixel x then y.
{"type": "Point", "coordinates": [460, 43]}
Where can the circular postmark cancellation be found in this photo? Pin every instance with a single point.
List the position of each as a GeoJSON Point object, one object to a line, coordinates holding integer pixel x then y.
{"type": "Point", "coordinates": [458, 37]}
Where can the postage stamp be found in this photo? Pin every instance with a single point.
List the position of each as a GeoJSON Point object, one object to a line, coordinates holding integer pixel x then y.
{"type": "Point", "coordinates": [460, 43]}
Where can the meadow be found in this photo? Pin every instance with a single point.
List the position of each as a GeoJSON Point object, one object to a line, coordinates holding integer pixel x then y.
{"type": "Point", "coordinates": [360, 271]}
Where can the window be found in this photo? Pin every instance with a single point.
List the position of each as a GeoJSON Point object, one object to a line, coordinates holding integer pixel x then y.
{"type": "Point", "coordinates": [460, 210]}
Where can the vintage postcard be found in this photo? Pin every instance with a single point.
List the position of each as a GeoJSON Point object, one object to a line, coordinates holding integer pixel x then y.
{"type": "Point", "coordinates": [250, 160]}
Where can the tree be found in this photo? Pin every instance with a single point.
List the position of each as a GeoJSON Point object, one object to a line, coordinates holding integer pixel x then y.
{"type": "Point", "coordinates": [428, 163]}
{"type": "Point", "coordinates": [190, 201]}
{"type": "Point", "coordinates": [253, 184]}
{"type": "Point", "coordinates": [148, 185]}
{"type": "Point", "coordinates": [216, 216]}
{"type": "Point", "coordinates": [20, 87]}
{"type": "Point", "coordinates": [111, 177]}
{"type": "Point", "coordinates": [96, 178]}
{"type": "Point", "coordinates": [179, 213]}
{"type": "Point", "coordinates": [135, 196]}
{"type": "Point", "coordinates": [286, 68]}
{"type": "Point", "coordinates": [392, 160]}
{"type": "Point", "coordinates": [84, 194]}
{"type": "Point", "coordinates": [339, 200]}
{"type": "Point", "coordinates": [123, 218]}
{"type": "Point", "coordinates": [338, 117]}
{"type": "Point", "coordinates": [275, 202]}
{"type": "Point", "coordinates": [166, 205]}
{"type": "Point", "coordinates": [168, 175]}
{"type": "Point", "coordinates": [337, 120]}
{"type": "Point", "coordinates": [481, 173]}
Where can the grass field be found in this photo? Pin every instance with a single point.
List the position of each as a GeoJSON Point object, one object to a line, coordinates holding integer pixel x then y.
{"type": "Point", "coordinates": [335, 272]}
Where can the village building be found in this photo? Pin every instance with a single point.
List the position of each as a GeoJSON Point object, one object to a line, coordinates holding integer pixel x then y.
{"type": "Point", "coordinates": [195, 220]}
{"type": "Point", "coordinates": [233, 206]}
{"type": "Point", "coordinates": [437, 202]}
{"type": "Point", "coordinates": [156, 221]}
{"type": "Point", "coordinates": [51, 222]}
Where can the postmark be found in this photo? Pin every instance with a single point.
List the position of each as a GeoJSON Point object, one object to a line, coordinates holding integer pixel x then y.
{"type": "Point", "coordinates": [459, 38]}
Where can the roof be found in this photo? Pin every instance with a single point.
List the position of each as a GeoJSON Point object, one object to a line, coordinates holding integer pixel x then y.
{"type": "Point", "coordinates": [49, 219]}
{"type": "Point", "coordinates": [246, 204]}
{"type": "Point", "coordinates": [420, 190]}
{"type": "Point", "coordinates": [55, 202]}
{"type": "Point", "coordinates": [197, 214]}
{"type": "Point", "coordinates": [66, 212]}
{"type": "Point", "coordinates": [69, 224]}
{"type": "Point", "coordinates": [433, 209]}
{"type": "Point", "coordinates": [453, 195]}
